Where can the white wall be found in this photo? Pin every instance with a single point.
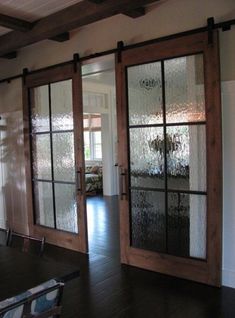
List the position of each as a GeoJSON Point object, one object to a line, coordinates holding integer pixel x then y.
{"type": "Point", "coordinates": [167, 17]}
{"type": "Point", "coordinates": [12, 162]}
{"type": "Point", "coordinates": [108, 129]}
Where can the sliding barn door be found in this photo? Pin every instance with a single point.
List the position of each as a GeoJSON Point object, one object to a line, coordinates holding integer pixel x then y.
{"type": "Point", "coordinates": [53, 120]}
{"type": "Point", "coordinates": [169, 125]}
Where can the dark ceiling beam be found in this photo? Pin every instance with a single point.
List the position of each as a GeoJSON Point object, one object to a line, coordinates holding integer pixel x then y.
{"type": "Point", "coordinates": [24, 26]}
{"type": "Point", "coordinates": [63, 37]}
{"type": "Point", "coordinates": [96, 1]}
{"type": "Point", "coordinates": [136, 13]}
{"type": "Point", "coordinates": [139, 12]}
{"type": "Point", "coordinates": [9, 56]}
{"type": "Point", "coordinates": [15, 23]}
{"type": "Point", "coordinates": [70, 18]}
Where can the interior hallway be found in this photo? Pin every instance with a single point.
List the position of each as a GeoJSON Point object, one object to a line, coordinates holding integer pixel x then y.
{"type": "Point", "coordinates": [103, 225]}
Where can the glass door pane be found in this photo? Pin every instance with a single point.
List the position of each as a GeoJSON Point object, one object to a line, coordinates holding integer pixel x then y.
{"type": "Point", "coordinates": [167, 156]}
{"type": "Point", "coordinates": [53, 155]}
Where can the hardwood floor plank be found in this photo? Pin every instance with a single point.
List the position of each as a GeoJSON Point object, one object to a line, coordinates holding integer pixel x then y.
{"type": "Point", "coordinates": [107, 289]}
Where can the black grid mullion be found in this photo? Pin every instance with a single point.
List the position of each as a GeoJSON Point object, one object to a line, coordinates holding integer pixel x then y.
{"type": "Point", "coordinates": [165, 149]}
{"type": "Point", "coordinates": [54, 181]}
{"type": "Point", "coordinates": [31, 153]}
{"type": "Point", "coordinates": [52, 163]}
{"type": "Point", "coordinates": [51, 132]}
{"type": "Point", "coordinates": [170, 190]}
{"type": "Point", "coordinates": [195, 123]}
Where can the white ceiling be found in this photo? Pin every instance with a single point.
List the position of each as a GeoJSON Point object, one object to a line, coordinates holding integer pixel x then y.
{"type": "Point", "coordinates": [31, 10]}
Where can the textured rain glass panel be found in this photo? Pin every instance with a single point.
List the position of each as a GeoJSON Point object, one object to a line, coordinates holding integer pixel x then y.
{"type": "Point", "coordinates": [186, 157]}
{"type": "Point", "coordinates": [178, 224]}
{"type": "Point", "coordinates": [40, 109]}
{"type": "Point", "coordinates": [147, 157]}
{"type": "Point", "coordinates": [198, 225]}
{"type": "Point", "coordinates": [63, 156]}
{"type": "Point", "coordinates": [148, 220]}
{"type": "Point", "coordinates": [145, 94]}
{"type": "Point", "coordinates": [44, 203]}
{"type": "Point", "coordinates": [187, 225]}
{"type": "Point", "coordinates": [185, 99]}
{"type": "Point", "coordinates": [62, 105]}
{"type": "Point", "coordinates": [66, 207]}
{"type": "Point", "coordinates": [41, 156]}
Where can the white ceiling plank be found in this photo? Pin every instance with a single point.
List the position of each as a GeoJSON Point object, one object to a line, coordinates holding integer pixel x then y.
{"type": "Point", "coordinates": [32, 10]}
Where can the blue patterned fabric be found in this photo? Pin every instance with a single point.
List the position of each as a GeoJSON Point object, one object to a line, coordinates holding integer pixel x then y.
{"type": "Point", "coordinates": [38, 305]}
{"type": "Point", "coordinates": [46, 301]}
{"type": "Point", "coordinates": [17, 312]}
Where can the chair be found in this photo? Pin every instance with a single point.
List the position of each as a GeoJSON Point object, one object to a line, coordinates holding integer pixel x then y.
{"type": "Point", "coordinates": [26, 239]}
{"type": "Point", "coordinates": [42, 301]}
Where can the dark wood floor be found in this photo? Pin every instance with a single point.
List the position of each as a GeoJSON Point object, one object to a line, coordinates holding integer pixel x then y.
{"type": "Point", "coordinates": [107, 289]}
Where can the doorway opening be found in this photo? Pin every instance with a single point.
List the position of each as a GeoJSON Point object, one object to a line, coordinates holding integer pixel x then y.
{"type": "Point", "coordinates": [100, 154]}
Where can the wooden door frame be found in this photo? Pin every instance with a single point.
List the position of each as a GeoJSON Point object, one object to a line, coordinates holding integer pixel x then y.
{"type": "Point", "coordinates": [208, 271]}
{"type": "Point", "coordinates": [74, 241]}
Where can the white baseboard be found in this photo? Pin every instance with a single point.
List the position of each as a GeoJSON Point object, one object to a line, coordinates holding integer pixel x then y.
{"type": "Point", "coordinates": [228, 278]}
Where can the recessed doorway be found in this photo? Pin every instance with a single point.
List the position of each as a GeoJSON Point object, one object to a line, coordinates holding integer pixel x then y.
{"type": "Point", "coordinates": [100, 154]}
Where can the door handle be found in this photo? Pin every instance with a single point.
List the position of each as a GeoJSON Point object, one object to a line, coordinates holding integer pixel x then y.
{"type": "Point", "coordinates": [123, 183]}
{"type": "Point", "coordinates": [79, 180]}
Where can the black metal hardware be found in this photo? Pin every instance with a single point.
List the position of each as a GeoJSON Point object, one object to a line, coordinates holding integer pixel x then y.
{"type": "Point", "coordinates": [210, 26]}
{"type": "Point", "coordinates": [75, 62]}
{"type": "Point", "coordinates": [79, 180]}
{"type": "Point", "coordinates": [123, 183]}
{"type": "Point", "coordinates": [120, 46]}
{"type": "Point", "coordinates": [225, 26]}
{"type": "Point", "coordinates": [25, 73]}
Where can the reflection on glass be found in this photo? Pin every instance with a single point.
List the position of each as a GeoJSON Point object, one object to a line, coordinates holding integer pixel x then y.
{"type": "Point", "coordinates": [44, 203]}
{"type": "Point", "coordinates": [198, 226]}
{"type": "Point", "coordinates": [181, 228]}
{"type": "Point", "coordinates": [186, 157]}
{"type": "Point", "coordinates": [178, 224]}
{"type": "Point", "coordinates": [145, 94]}
{"type": "Point", "coordinates": [63, 156]}
{"type": "Point", "coordinates": [147, 157]}
{"type": "Point", "coordinates": [185, 98]}
{"type": "Point", "coordinates": [148, 220]}
{"type": "Point", "coordinates": [40, 109]}
{"type": "Point", "coordinates": [66, 207]}
{"type": "Point", "coordinates": [62, 105]}
{"type": "Point", "coordinates": [187, 225]}
{"type": "Point", "coordinates": [41, 156]}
